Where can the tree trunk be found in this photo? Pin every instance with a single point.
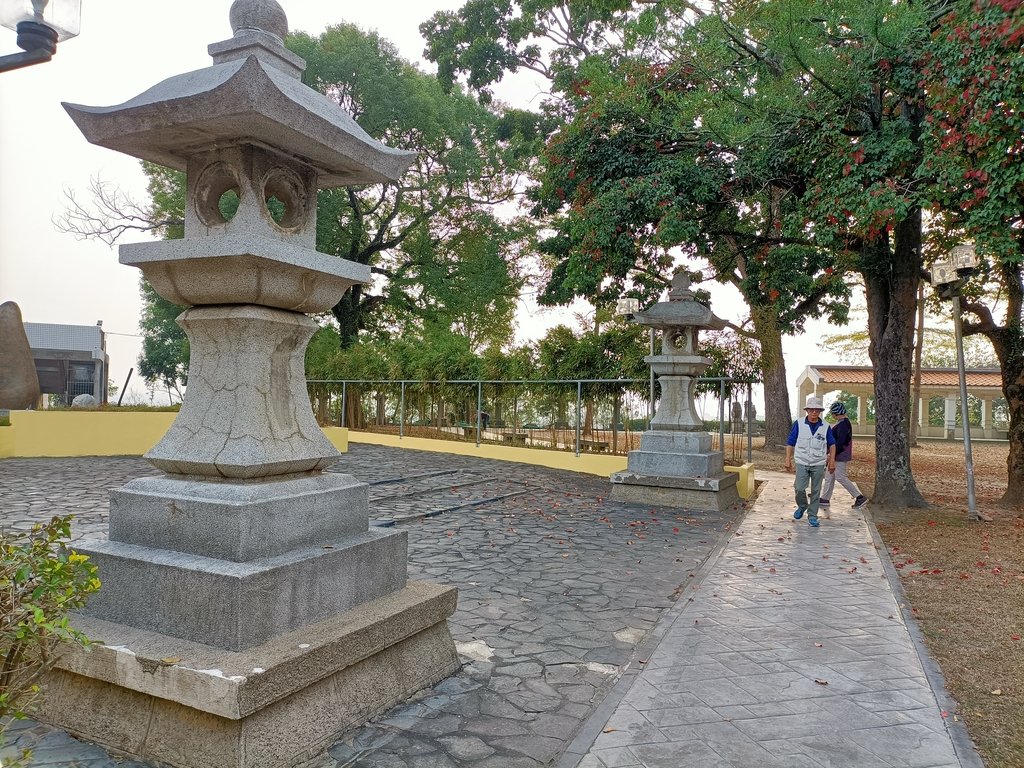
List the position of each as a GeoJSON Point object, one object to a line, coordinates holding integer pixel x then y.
{"type": "Point", "coordinates": [347, 313]}
{"type": "Point", "coordinates": [890, 280]}
{"type": "Point", "coordinates": [354, 408]}
{"type": "Point", "coordinates": [1008, 343]}
{"type": "Point", "coordinates": [1013, 391]}
{"type": "Point", "coordinates": [778, 418]}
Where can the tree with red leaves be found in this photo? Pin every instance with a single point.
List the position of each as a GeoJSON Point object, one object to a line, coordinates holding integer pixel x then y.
{"type": "Point", "coordinates": [973, 74]}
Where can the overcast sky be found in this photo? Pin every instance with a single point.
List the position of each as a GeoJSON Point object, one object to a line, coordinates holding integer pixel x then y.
{"type": "Point", "coordinates": [123, 49]}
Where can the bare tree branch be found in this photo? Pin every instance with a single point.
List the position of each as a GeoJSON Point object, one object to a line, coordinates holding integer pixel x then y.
{"type": "Point", "coordinates": [111, 215]}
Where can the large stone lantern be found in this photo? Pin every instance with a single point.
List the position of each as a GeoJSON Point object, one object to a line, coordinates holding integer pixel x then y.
{"type": "Point", "coordinates": [675, 465]}
{"type": "Point", "coordinates": [248, 612]}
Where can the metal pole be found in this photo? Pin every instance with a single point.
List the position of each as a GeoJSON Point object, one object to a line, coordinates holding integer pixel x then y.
{"type": "Point", "coordinates": [479, 409]}
{"type": "Point", "coordinates": [401, 414]}
{"type": "Point", "coordinates": [750, 423]}
{"type": "Point", "coordinates": [579, 400]}
{"type": "Point", "coordinates": [344, 385]}
{"type": "Point", "coordinates": [721, 416]}
{"type": "Point", "coordinates": [125, 387]}
{"type": "Point", "coordinates": [650, 416]}
{"type": "Point", "coordinates": [972, 509]}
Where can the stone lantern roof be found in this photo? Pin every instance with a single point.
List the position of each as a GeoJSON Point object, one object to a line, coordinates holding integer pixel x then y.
{"type": "Point", "coordinates": [680, 311]}
{"type": "Point", "coordinates": [253, 95]}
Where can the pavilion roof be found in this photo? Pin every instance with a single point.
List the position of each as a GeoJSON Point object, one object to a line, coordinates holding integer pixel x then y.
{"type": "Point", "coordinates": [839, 375]}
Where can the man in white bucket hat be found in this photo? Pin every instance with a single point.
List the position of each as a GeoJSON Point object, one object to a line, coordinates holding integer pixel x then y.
{"type": "Point", "coordinates": [813, 446]}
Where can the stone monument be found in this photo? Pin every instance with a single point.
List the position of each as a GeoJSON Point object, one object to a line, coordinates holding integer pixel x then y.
{"type": "Point", "coordinates": [675, 465]}
{"type": "Point", "coordinates": [248, 612]}
{"type": "Point", "coordinates": [19, 383]}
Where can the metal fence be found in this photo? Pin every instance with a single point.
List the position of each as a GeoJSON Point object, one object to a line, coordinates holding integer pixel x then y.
{"type": "Point", "coordinates": [579, 415]}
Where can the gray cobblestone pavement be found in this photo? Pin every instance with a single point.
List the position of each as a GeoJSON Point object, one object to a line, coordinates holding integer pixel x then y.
{"type": "Point", "coordinates": [559, 591]}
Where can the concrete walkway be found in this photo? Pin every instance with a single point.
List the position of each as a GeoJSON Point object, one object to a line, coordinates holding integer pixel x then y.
{"type": "Point", "coordinates": [793, 651]}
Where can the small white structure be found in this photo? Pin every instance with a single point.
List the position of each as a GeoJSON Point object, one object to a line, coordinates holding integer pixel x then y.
{"type": "Point", "coordinates": [859, 380]}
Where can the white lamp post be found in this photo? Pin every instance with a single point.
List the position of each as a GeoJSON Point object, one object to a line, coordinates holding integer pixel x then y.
{"type": "Point", "coordinates": [40, 25]}
{"type": "Point", "coordinates": [947, 278]}
{"type": "Point", "coordinates": [627, 307]}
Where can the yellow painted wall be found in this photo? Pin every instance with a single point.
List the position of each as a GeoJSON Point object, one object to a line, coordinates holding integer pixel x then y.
{"type": "Point", "coordinates": [106, 433]}
{"type": "Point", "coordinates": [83, 433]}
{"type": "Point", "coordinates": [338, 437]}
{"type": "Point", "coordinates": [98, 433]}
{"type": "Point", "coordinates": [745, 483]}
{"type": "Point", "coordinates": [590, 463]}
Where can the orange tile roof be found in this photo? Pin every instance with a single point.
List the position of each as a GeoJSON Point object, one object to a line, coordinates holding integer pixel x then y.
{"type": "Point", "coordinates": [930, 377]}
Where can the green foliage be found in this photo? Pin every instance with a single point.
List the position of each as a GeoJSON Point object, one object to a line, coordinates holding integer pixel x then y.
{"type": "Point", "coordinates": [939, 349]}
{"type": "Point", "coordinates": [972, 72]}
{"type": "Point", "coordinates": [607, 346]}
{"type": "Point", "coordinates": [165, 347]}
{"type": "Point", "coordinates": [732, 357]}
{"type": "Point", "coordinates": [486, 39]}
{"type": "Point", "coordinates": [166, 189]}
{"type": "Point", "coordinates": [431, 238]}
{"type": "Point", "coordinates": [464, 283]}
{"type": "Point", "coordinates": [41, 580]}
{"type": "Point", "coordinates": [164, 357]}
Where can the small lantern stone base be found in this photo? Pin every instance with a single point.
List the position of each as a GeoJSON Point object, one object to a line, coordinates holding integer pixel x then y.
{"type": "Point", "coordinates": [677, 469]}
{"type": "Point", "coordinates": [705, 494]}
{"type": "Point", "coordinates": [279, 704]}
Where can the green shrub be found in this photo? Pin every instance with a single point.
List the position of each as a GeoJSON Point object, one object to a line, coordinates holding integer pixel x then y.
{"type": "Point", "coordinates": [41, 580]}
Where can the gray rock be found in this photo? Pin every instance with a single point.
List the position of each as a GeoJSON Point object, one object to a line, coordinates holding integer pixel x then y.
{"type": "Point", "coordinates": [19, 385]}
{"type": "Point", "coordinates": [84, 401]}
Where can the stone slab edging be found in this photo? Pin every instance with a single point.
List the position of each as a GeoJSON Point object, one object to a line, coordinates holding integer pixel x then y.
{"type": "Point", "coordinates": [235, 684]}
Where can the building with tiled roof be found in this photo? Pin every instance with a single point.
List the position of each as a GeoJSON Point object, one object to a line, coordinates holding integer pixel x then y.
{"type": "Point", "coordinates": [985, 384]}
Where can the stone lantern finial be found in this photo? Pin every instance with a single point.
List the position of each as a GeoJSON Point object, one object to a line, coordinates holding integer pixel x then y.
{"type": "Point", "coordinates": [258, 15]}
{"type": "Point", "coordinates": [259, 28]}
{"type": "Point", "coordinates": [680, 290]}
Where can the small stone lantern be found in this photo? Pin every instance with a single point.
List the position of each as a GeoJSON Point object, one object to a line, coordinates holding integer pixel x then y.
{"type": "Point", "coordinates": [675, 465]}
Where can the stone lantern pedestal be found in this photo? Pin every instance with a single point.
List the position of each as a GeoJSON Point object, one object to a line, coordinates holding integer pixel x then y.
{"type": "Point", "coordinates": [248, 612]}
{"type": "Point", "coordinates": [675, 465]}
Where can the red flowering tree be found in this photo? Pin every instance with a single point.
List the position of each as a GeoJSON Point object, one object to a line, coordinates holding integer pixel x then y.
{"type": "Point", "coordinates": [973, 74]}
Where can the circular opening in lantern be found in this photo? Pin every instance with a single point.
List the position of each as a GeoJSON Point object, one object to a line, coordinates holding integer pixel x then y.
{"type": "Point", "coordinates": [287, 203]}
{"type": "Point", "coordinates": [217, 194]}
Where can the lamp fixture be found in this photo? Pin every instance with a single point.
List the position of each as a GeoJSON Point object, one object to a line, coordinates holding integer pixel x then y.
{"type": "Point", "coordinates": [40, 25]}
{"type": "Point", "coordinates": [627, 306]}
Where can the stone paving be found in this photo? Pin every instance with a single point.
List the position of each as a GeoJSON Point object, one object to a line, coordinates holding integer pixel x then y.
{"type": "Point", "coordinates": [793, 653]}
{"type": "Point", "coordinates": [559, 591]}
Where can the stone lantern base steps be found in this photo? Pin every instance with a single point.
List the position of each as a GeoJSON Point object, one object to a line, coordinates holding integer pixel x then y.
{"type": "Point", "coordinates": [278, 704]}
{"type": "Point", "coordinates": [676, 468]}
{"type": "Point", "coordinates": [246, 624]}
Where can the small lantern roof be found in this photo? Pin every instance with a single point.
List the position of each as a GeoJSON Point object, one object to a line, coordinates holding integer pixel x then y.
{"type": "Point", "coordinates": [680, 311]}
{"type": "Point", "coordinates": [251, 95]}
